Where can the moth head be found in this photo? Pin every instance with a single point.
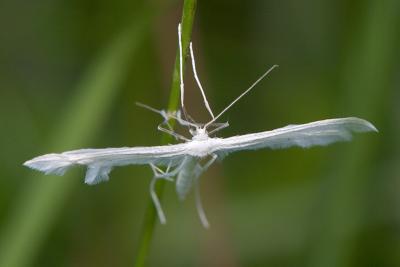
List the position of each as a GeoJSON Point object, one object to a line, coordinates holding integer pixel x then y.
{"type": "Point", "coordinates": [199, 133]}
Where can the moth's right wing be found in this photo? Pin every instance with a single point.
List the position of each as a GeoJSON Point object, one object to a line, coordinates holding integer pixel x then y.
{"type": "Point", "coordinates": [320, 133]}
{"type": "Point", "coordinates": [100, 162]}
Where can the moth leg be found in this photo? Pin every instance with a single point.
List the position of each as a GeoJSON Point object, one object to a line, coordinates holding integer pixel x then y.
{"type": "Point", "coordinates": [169, 166]}
{"type": "Point", "coordinates": [167, 174]}
{"type": "Point", "coordinates": [176, 135]}
{"type": "Point", "coordinates": [156, 201]}
{"type": "Point", "coordinates": [159, 174]}
{"type": "Point", "coordinates": [220, 127]}
{"type": "Point", "coordinates": [209, 163]}
{"type": "Point", "coordinates": [199, 205]}
{"type": "Point", "coordinates": [166, 117]}
{"type": "Point", "coordinates": [183, 122]}
{"type": "Point", "coordinates": [177, 168]}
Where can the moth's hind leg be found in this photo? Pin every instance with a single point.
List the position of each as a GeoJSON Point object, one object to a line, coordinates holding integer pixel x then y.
{"type": "Point", "coordinates": [159, 174]}
{"type": "Point", "coordinates": [168, 173]}
{"type": "Point", "coordinates": [188, 122]}
{"type": "Point", "coordinates": [209, 163]}
{"type": "Point", "coordinates": [199, 205]}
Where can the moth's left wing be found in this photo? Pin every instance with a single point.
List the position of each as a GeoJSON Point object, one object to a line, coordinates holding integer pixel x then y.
{"type": "Point", "coordinates": [319, 133]}
{"type": "Point", "coordinates": [100, 162]}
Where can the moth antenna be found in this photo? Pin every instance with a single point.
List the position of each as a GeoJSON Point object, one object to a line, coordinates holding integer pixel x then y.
{"type": "Point", "coordinates": [243, 94]}
{"type": "Point", "coordinates": [180, 64]}
{"type": "Point", "coordinates": [182, 86]}
{"type": "Point", "coordinates": [198, 81]}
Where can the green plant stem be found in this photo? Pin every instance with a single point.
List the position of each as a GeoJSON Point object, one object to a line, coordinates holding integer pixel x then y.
{"type": "Point", "coordinates": [188, 13]}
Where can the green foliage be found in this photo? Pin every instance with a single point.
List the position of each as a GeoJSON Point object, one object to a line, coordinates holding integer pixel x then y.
{"type": "Point", "coordinates": [41, 200]}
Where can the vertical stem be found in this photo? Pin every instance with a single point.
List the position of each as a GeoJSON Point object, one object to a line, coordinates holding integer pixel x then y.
{"type": "Point", "coordinates": [189, 9]}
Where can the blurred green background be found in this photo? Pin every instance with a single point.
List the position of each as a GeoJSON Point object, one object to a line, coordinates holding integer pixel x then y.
{"type": "Point", "coordinates": [71, 71]}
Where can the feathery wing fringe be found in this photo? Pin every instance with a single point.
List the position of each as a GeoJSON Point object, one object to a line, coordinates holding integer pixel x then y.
{"type": "Point", "coordinates": [320, 133]}
{"type": "Point", "coordinates": [100, 162]}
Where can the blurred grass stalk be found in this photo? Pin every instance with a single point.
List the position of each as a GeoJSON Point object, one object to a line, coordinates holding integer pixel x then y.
{"type": "Point", "coordinates": [150, 217]}
{"type": "Point", "coordinates": [366, 73]}
{"type": "Point", "coordinates": [38, 205]}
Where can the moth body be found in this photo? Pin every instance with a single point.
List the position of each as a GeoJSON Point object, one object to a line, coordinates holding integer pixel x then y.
{"type": "Point", "coordinates": [187, 160]}
{"type": "Point", "coordinates": [190, 170]}
{"type": "Point", "coordinates": [202, 148]}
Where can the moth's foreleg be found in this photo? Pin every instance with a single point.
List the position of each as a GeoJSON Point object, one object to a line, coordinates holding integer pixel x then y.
{"type": "Point", "coordinates": [166, 117]}
{"type": "Point", "coordinates": [174, 134]}
{"type": "Point", "coordinates": [184, 122]}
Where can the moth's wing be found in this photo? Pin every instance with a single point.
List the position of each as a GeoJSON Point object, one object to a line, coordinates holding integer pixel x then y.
{"type": "Point", "coordinates": [100, 162]}
{"type": "Point", "coordinates": [315, 133]}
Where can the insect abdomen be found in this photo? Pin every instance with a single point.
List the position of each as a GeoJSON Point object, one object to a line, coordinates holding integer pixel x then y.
{"type": "Point", "coordinates": [186, 176]}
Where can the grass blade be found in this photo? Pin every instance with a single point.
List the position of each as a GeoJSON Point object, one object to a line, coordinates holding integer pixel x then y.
{"type": "Point", "coordinates": [188, 13]}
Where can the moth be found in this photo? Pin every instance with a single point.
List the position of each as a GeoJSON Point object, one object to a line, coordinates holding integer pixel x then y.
{"type": "Point", "coordinates": [184, 162]}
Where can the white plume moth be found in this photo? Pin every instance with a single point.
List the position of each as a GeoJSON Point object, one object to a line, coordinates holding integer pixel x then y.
{"type": "Point", "coordinates": [184, 161]}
